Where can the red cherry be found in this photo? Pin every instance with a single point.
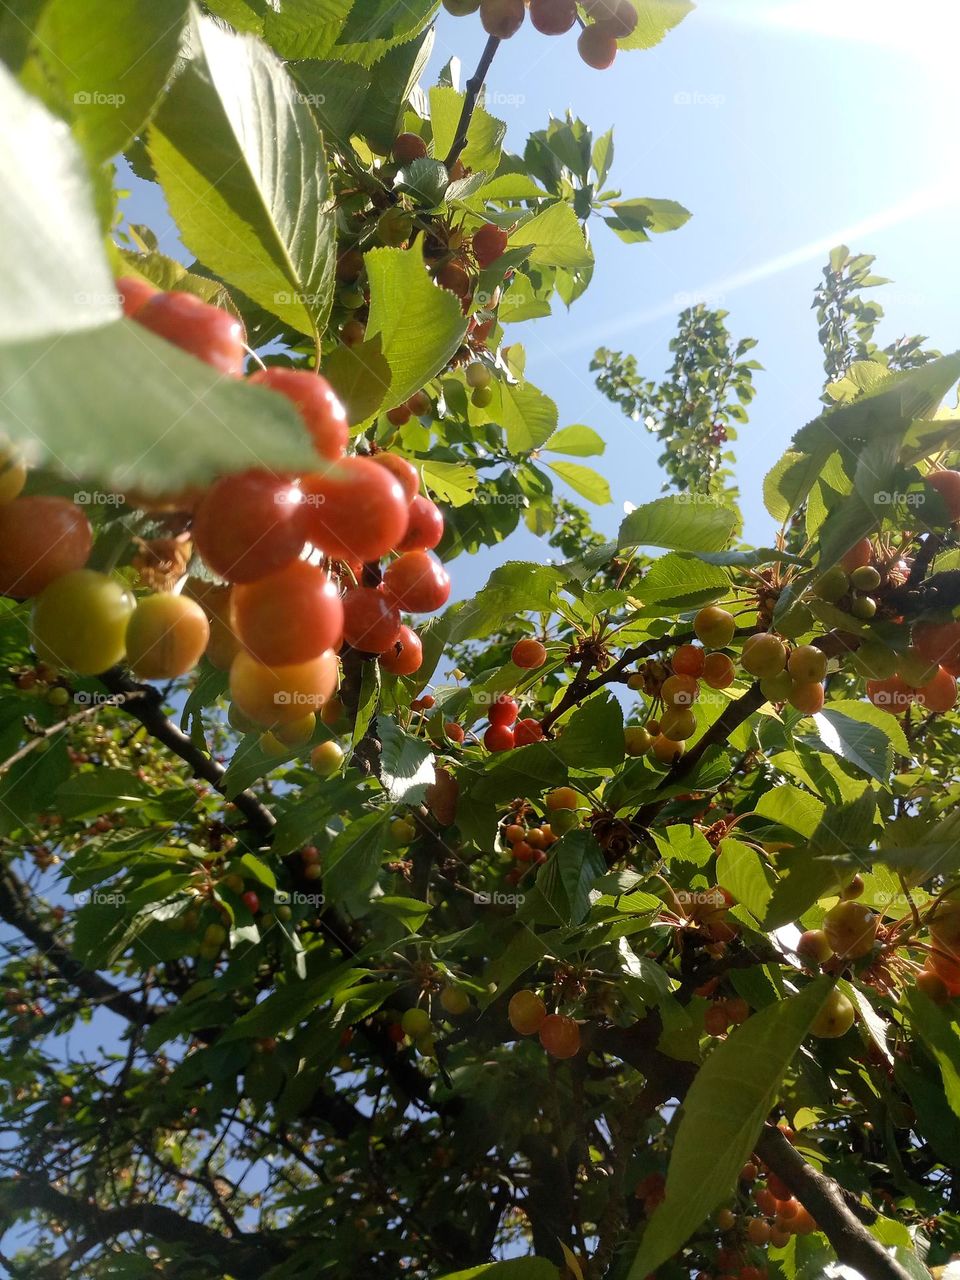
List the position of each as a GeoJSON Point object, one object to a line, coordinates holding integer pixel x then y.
{"type": "Point", "coordinates": [134, 293]}
{"type": "Point", "coordinates": [453, 276]}
{"type": "Point", "coordinates": [503, 709]}
{"type": "Point", "coordinates": [947, 484]}
{"type": "Point", "coordinates": [938, 641]}
{"type": "Point", "coordinates": [893, 695]}
{"type": "Point", "coordinates": [597, 46]}
{"type": "Point", "coordinates": [526, 732]}
{"type": "Point", "coordinates": [324, 415]}
{"type": "Point", "coordinates": [405, 655]}
{"type": "Point", "coordinates": [251, 901]}
{"type": "Point", "coordinates": [528, 653]}
{"type": "Point", "coordinates": [499, 737]}
{"type": "Point", "coordinates": [248, 525]}
{"type": "Point", "coordinates": [940, 694]}
{"type": "Point", "coordinates": [289, 616]}
{"type": "Point", "coordinates": [403, 471]}
{"type": "Point", "coordinates": [560, 1036]}
{"type": "Point", "coordinates": [207, 332]}
{"type": "Point", "coordinates": [501, 18]}
{"type": "Point", "coordinates": [355, 510]}
{"type": "Point", "coordinates": [553, 17]}
{"type": "Point", "coordinates": [370, 622]}
{"type": "Point", "coordinates": [408, 147]}
{"type": "Point", "coordinates": [454, 732]}
{"type": "Point", "coordinates": [425, 528]}
{"type": "Point", "coordinates": [417, 582]}
{"type": "Point", "coordinates": [41, 539]}
{"type": "Point", "coordinates": [489, 243]}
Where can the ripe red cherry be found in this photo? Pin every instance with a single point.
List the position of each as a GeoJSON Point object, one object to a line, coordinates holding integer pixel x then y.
{"type": "Point", "coordinates": [454, 732]}
{"type": "Point", "coordinates": [425, 528]}
{"type": "Point", "coordinates": [621, 21]}
{"type": "Point", "coordinates": [324, 415]}
{"type": "Point", "coordinates": [526, 732]}
{"type": "Point", "coordinates": [453, 276]}
{"type": "Point", "coordinates": [370, 622]}
{"type": "Point", "coordinates": [860, 554]}
{"type": "Point", "coordinates": [597, 46]}
{"type": "Point", "coordinates": [489, 243]}
{"type": "Point", "coordinates": [501, 18]}
{"type": "Point", "coordinates": [417, 582]}
{"type": "Point", "coordinates": [499, 737]}
{"type": "Point", "coordinates": [207, 332]}
{"type": "Point", "coordinates": [134, 293]}
{"type": "Point", "coordinates": [399, 415]}
{"type": "Point", "coordinates": [947, 484]}
{"type": "Point", "coordinates": [355, 510]}
{"type": "Point", "coordinates": [689, 660]}
{"type": "Point", "coordinates": [248, 525]}
{"type": "Point", "coordinates": [403, 471]}
{"type": "Point", "coordinates": [560, 1036]}
{"type": "Point", "coordinates": [288, 616]}
{"type": "Point", "coordinates": [940, 694]}
{"type": "Point", "coordinates": [503, 710]}
{"type": "Point", "coordinates": [553, 17]}
{"type": "Point", "coordinates": [892, 695]}
{"type": "Point", "coordinates": [279, 695]}
{"type": "Point", "coordinates": [41, 539]}
{"type": "Point", "coordinates": [408, 147]}
{"type": "Point", "coordinates": [528, 653]}
{"type": "Point", "coordinates": [251, 901]}
{"type": "Point", "coordinates": [938, 641]}
{"type": "Point", "coordinates": [405, 655]}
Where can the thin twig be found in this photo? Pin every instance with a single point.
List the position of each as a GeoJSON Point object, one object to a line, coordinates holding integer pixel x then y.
{"type": "Point", "coordinates": [473, 87]}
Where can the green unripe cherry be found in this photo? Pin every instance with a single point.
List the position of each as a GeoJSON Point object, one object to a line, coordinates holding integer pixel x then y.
{"type": "Point", "coordinates": [832, 586]}
{"type": "Point", "coordinates": [416, 1022]}
{"type": "Point", "coordinates": [866, 578]}
{"type": "Point", "coordinates": [875, 661]}
{"type": "Point", "coordinates": [863, 607]}
{"type": "Point", "coordinates": [777, 688]}
{"type": "Point", "coordinates": [482, 396]}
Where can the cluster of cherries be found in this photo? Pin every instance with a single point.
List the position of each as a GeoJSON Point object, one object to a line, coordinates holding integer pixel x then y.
{"type": "Point", "coordinates": [298, 556]}
{"type": "Point", "coordinates": [558, 1033]}
{"type": "Point", "coordinates": [611, 20]}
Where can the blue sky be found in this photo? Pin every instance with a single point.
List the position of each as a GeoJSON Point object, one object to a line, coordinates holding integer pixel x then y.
{"type": "Point", "coordinates": [784, 128]}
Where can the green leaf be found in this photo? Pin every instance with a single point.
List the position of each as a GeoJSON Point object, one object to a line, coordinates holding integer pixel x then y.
{"type": "Point", "coordinates": [290, 1004]}
{"type": "Point", "coordinates": [788, 482]}
{"type": "Point", "coordinates": [741, 870]}
{"type": "Point", "coordinates": [527, 415]}
{"type": "Point", "coordinates": [515, 587]}
{"type": "Point", "coordinates": [632, 219]}
{"type": "Point", "coordinates": [656, 19]}
{"type": "Point", "coordinates": [420, 326]}
{"type": "Point", "coordinates": [682, 522]}
{"type": "Point", "coordinates": [360, 376]}
{"type": "Point", "coordinates": [249, 191]}
{"type": "Point", "coordinates": [336, 91]}
{"type": "Point", "coordinates": [352, 863]}
{"type": "Point", "coordinates": [555, 239]}
{"type": "Point", "coordinates": [451, 482]}
{"type": "Point", "coordinates": [583, 480]}
{"type": "Point", "coordinates": [938, 1030]}
{"type": "Point", "coordinates": [305, 28]}
{"type": "Point", "coordinates": [485, 134]}
{"type": "Point", "coordinates": [578, 442]}
{"type": "Point", "coordinates": [593, 736]}
{"type": "Point", "coordinates": [722, 1117]}
{"type": "Point", "coordinates": [858, 739]}
{"type": "Point", "coordinates": [514, 1269]}
{"type": "Point", "coordinates": [104, 65]}
{"type": "Point", "coordinates": [98, 791]}
{"type": "Point", "coordinates": [567, 877]}
{"type": "Point", "coordinates": [681, 582]}
{"type": "Point", "coordinates": [406, 763]}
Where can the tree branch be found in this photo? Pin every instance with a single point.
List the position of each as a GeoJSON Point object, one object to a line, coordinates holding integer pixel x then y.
{"type": "Point", "coordinates": [473, 87]}
{"type": "Point", "coordinates": [824, 1200]}
{"type": "Point", "coordinates": [14, 908]}
{"type": "Point", "coordinates": [147, 707]}
{"type": "Point", "coordinates": [247, 1258]}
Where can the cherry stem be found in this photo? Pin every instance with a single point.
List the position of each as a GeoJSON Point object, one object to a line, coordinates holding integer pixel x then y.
{"type": "Point", "coordinates": [473, 87]}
